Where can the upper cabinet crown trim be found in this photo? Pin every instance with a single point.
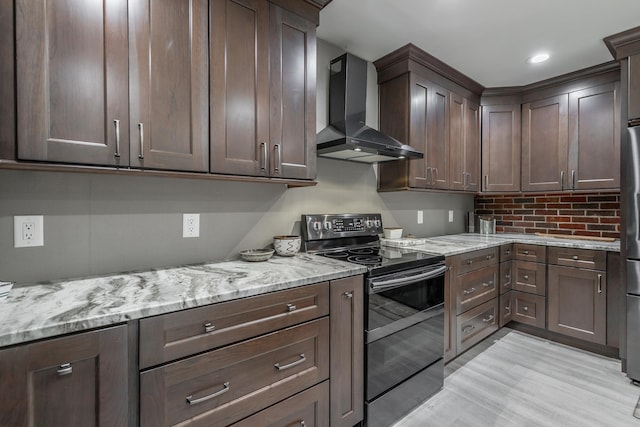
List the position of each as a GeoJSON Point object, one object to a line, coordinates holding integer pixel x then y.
{"type": "Point", "coordinates": [624, 44]}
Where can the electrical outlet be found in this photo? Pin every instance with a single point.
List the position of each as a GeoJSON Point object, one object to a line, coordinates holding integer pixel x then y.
{"type": "Point", "coordinates": [420, 217]}
{"type": "Point", "coordinates": [28, 231]}
{"type": "Point", "coordinates": [191, 225]}
{"type": "Point", "coordinates": [450, 216]}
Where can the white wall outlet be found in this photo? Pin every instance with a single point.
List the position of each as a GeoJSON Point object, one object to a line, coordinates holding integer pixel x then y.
{"type": "Point", "coordinates": [420, 217]}
{"type": "Point", "coordinates": [28, 231]}
{"type": "Point", "coordinates": [450, 216]}
{"type": "Point", "coordinates": [191, 225]}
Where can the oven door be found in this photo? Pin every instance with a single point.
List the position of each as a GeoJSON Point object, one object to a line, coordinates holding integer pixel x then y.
{"type": "Point", "coordinates": [404, 326]}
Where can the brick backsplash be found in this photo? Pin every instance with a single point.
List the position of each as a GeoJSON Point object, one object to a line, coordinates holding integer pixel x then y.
{"type": "Point", "coordinates": [584, 214]}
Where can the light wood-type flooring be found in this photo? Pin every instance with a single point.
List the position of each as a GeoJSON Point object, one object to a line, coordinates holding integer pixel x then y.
{"type": "Point", "coordinates": [517, 380]}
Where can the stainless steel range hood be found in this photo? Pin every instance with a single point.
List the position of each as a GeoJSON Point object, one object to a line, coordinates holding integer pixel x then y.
{"type": "Point", "coordinates": [347, 137]}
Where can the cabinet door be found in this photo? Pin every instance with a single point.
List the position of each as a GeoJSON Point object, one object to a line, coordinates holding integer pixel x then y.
{"type": "Point", "coordinates": [80, 380]}
{"type": "Point", "coordinates": [347, 351]}
{"type": "Point", "coordinates": [419, 173]}
{"type": "Point", "coordinates": [72, 81]}
{"type": "Point", "coordinates": [438, 142]}
{"type": "Point", "coordinates": [578, 303]}
{"type": "Point", "coordinates": [239, 87]}
{"type": "Point", "coordinates": [633, 111]}
{"type": "Point", "coordinates": [544, 144]}
{"type": "Point", "coordinates": [7, 82]}
{"type": "Point", "coordinates": [501, 148]}
{"type": "Point", "coordinates": [472, 146]}
{"type": "Point", "coordinates": [594, 137]}
{"type": "Point", "coordinates": [292, 145]}
{"type": "Point", "coordinates": [169, 80]}
{"type": "Point", "coordinates": [457, 170]}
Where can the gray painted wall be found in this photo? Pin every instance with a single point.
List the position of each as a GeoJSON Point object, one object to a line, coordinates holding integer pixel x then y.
{"type": "Point", "coordinates": [98, 224]}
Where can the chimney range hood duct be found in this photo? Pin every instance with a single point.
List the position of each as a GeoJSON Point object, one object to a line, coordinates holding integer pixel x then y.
{"type": "Point", "coordinates": [347, 137]}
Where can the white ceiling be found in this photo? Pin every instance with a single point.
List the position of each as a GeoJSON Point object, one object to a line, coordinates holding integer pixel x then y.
{"type": "Point", "coordinates": [488, 40]}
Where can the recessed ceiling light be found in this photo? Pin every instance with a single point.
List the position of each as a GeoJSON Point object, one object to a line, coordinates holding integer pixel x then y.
{"type": "Point", "coordinates": [541, 57]}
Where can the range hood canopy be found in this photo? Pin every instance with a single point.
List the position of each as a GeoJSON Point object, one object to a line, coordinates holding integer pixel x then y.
{"type": "Point", "coordinates": [347, 137]}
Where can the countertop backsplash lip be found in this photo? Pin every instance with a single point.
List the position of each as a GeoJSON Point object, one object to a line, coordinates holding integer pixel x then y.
{"type": "Point", "coordinates": [49, 309]}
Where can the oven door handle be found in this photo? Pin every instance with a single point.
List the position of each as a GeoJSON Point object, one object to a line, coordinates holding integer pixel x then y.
{"type": "Point", "coordinates": [379, 286]}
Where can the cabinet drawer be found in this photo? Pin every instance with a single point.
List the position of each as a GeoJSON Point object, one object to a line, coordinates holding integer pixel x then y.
{"type": "Point", "coordinates": [477, 324]}
{"type": "Point", "coordinates": [309, 408]}
{"type": "Point", "coordinates": [476, 287]}
{"type": "Point", "coordinates": [506, 313]}
{"type": "Point", "coordinates": [506, 252]}
{"type": "Point", "coordinates": [475, 260]}
{"type": "Point", "coordinates": [528, 308]}
{"type": "Point", "coordinates": [225, 385]}
{"type": "Point", "coordinates": [580, 258]}
{"type": "Point", "coordinates": [533, 253]}
{"type": "Point", "coordinates": [529, 277]}
{"type": "Point", "coordinates": [506, 282]}
{"type": "Point", "coordinates": [175, 335]}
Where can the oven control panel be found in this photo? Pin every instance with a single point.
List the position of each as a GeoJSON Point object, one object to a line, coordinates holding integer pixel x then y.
{"type": "Point", "coordinates": [333, 226]}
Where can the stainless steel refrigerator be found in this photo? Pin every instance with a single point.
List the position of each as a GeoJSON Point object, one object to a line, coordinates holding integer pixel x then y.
{"type": "Point", "coordinates": [633, 251]}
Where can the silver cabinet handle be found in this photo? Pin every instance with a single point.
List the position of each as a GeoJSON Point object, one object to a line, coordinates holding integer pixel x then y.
{"type": "Point", "coordinates": [290, 365]}
{"type": "Point", "coordinates": [525, 252]}
{"type": "Point", "coordinates": [468, 329]}
{"type": "Point", "coordinates": [486, 285]}
{"type": "Point", "coordinates": [263, 162]}
{"type": "Point", "coordinates": [525, 308]}
{"type": "Point", "coordinates": [489, 256]}
{"type": "Point", "coordinates": [508, 252]}
{"type": "Point", "coordinates": [278, 160]}
{"type": "Point", "coordinates": [116, 123]}
{"type": "Point", "coordinates": [575, 257]}
{"type": "Point", "coordinates": [561, 180]}
{"type": "Point", "coordinates": [429, 175]}
{"type": "Point", "coordinates": [464, 181]}
{"type": "Point", "coordinates": [209, 327]}
{"type": "Point", "coordinates": [507, 309]}
{"type": "Point", "coordinates": [468, 292]}
{"type": "Point", "coordinates": [469, 261]}
{"type": "Point", "coordinates": [141, 136]}
{"type": "Point", "coordinates": [526, 277]}
{"type": "Point", "coordinates": [192, 401]}
{"type": "Point", "coordinates": [303, 424]}
{"type": "Point", "coordinates": [64, 369]}
{"type": "Point", "coordinates": [573, 179]}
{"type": "Point", "coordinates": [348, 294]}
{"type": "Point", "coordinates": [291, 307]}
{"type": "Point", "coordinates": [486, 182]}
{"type": "Point", "coordinates": [599, 283]}
{"type": "Point", "coordinates": [436, 175]}
{"type": "Point", "coordinates": [488, 319]}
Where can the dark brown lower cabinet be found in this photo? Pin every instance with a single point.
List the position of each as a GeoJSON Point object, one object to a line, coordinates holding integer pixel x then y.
{"type": "Point", "coordinates": [347, 351]}
{"type": "Point", "coordinates": [477, 324]}
{"type": "Point", "coordinates": [528, 308]}
{"type": "Point", "coordinates": [578, 303]}
{"type": "Point", "coordinates": [308, 409]}
{"type": "Point", "coordinates": [78, 380]}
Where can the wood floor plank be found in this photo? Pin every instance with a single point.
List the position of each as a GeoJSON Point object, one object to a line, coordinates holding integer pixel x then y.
{"type": "Point", "coordinates": [515, 379]}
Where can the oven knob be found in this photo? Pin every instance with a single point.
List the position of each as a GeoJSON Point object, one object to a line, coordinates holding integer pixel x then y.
{"type": "Point", "coordinates": [368, 223]}
{"type": "Point", "coordinates": [327, 225]}
{"type": "Point", "coordinates": [377, 223]}
{"type": "Point", "coordinates": [317, 226]}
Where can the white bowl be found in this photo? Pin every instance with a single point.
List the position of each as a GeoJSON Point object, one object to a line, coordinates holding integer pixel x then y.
{"type": "Point", "coordinates": [393, 233]}
{"type": "Point", "coordinates": [286, 245]}
{"type": "Point", "coordinates": [256, 255]}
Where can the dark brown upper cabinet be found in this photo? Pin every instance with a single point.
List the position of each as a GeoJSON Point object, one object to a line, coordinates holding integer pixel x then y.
{"type": "Point", "coordinates": [464, 143]}
{"type": "Point", "coordinates": [594, 137]}
{"type": "Point", "coordinates": [72, 81]}
{"type": "Point", "coordinates": [169, 76]}
{"type": "Point", "coordinates": [106, 83]}
{"type": "Point", "coordinates": [501, 148]}
{"type": "Point", "coordinates": [263, 61]}
{"type": "Point", "coordinates": [7, 82]}
{"type": "Point", "coordinates": [545, 144]}
{"type": "Point", "coordinates": [426, 104]}
{"type": "Point", "coordinates": [633, 100]}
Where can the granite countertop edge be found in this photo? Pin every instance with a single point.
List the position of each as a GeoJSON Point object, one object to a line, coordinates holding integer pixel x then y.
{"type": "Point", "coordinates": [51, 309]}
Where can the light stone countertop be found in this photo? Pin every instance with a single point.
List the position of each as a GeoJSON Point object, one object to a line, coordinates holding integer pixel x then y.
{"type": "Point", "coordinates": [56, 308]}
{"type": "Point", "coordinates": [455, 244]}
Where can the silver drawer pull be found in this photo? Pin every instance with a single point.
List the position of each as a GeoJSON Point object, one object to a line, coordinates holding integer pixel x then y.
{"type": "Point", "coordinates": [291, 307]}
{"type": "Point", "coordinates": [468, 291]}
{"type": "Point", "coordinates": [488, 319]}
{"type": "Point", "coordinates": [507, 309]}
{"type": "Point", "coordinates": [526, 277]}
{"type": "Point", "coordinates": [575, 257]}
{"type": "Point", "coordinates": [467, 329]}
{"type": "Point", "coordinates": [508, 252]}
{"type": "Point", "coordinates": [303, 424]}
{"type": "Point", "coordinates": [489, 256]}
{"type": "Point", "coordinates": [292, 364]}
{"type": "Point", "coordinates": [525, 308]}
{"type": "Point", "coordinates": [348, 294]}
{"type": "Point", "coordinates": [507, 276]}
{"type": "Point", "coordinates": [486, 285]}
{"type": "Point", "coordinates": [141, 136]}
{"type": "Point", "coordinates": [65, 369]}
{"type": "Point", "coordinates": [192, 401]}
{"type": "Point", "coordinates": [469, 261]}
{"type": "Point", "coordinates": [525, 252]}
{"type": "Point", "coordinates": [209, 327]}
